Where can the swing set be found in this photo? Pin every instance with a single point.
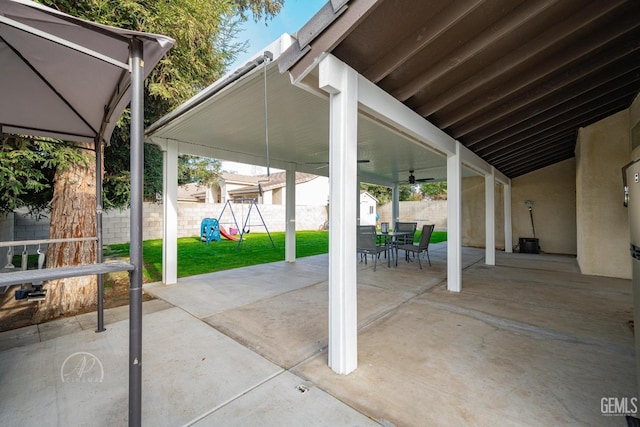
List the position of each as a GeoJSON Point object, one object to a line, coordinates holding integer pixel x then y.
{"type": "Point", "coordinates": [211, 228]}
{"type": "Point", "coordinates": [246, 228]}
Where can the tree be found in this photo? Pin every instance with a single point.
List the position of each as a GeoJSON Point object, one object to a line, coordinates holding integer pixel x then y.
{"type": "Point", "coordinates": [434, 190]}
{"type": "Point", "coordinates": [203, 30]}
{"type": "Point", "coordinates": [380, 192]}
{"type": "Point", "coordinates": [408, 194]}
{"type": "Point", "coordinates": [199, 170]}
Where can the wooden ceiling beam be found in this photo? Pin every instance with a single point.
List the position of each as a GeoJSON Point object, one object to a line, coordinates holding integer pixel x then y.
{"type": "Point", "coordinates": [507, 156]}
{"type": "Point", "coordinates": [608, 62]}
{"type": "Point", "coordinates": [558, 124]}
{"type": "Point", "coordinates": [535, 116]}
{"type": "Point", "coordinates": [500, 29]}
{"type": "Point", "coordinates": [412, 44]}
{"type": "Point", "coordinates": [541, 150]}
{"type": "Point", "coordinates": [517, 171]}
{"type": "Point", "coordinates": [571, 28]}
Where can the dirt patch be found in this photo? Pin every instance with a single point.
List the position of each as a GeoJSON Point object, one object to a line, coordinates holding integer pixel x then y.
{"type": "Point", "coordinates": [17, 314]}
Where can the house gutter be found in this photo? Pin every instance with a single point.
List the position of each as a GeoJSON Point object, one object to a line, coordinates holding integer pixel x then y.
{"type": "Point", "coordinates": [209, 92]}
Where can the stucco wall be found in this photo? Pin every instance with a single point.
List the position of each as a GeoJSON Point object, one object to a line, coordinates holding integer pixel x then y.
{"type": "Point", "coordinates": [311, 193]}
{"type": "Point", "coordinates": [473, 213]}
{"type": "Point", "coordinates": [634, 120]}
{"type": "Point", "coordinates": [602, 150]}
{"type": "Point", "coordinates": [553, 193]}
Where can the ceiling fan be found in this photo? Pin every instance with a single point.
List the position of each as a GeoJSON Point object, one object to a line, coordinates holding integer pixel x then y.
{"type": "Point", "coordinates": [413, 180]}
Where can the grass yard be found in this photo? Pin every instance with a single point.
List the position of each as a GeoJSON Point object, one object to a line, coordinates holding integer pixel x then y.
{"type": "Point", "coordinates": [197, 257]}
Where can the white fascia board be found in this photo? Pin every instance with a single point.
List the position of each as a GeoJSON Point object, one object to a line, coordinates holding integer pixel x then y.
{"type": "Point", "coordinates": [471, 160]}
{"type": "Point", "coordinates": [475, 162]}
{"type": "Point", "coordinates": [502, 178]}
{"type": "Point", "coordinates": [224, 154]}
{"type": "Point", "coordinates": [386, 108]}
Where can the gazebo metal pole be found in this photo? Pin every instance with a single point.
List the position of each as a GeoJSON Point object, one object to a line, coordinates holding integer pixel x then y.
{"type": "Point", "coordinates": [99, 258]}
{"type": "Point", "coordinates": [135, 251]}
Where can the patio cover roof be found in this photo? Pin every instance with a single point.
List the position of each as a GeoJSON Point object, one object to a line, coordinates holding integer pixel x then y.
{"type": "Point", "coordinates": [512, 80]}
{"type": "Point", "coordinates": [63, 77]}
{"type": "Point", "coordinates": [227, 121]}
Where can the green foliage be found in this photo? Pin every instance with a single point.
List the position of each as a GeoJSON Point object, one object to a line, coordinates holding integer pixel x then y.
{"type": "Point", "coordinates": [199, 170]}
{"type": "Point", "coordinates": [434, 190]}
{"type": "Point", "coordinates": [408, 193]}
{"type": "Point", "coordinates": [260, 8]}
{"type": "Point", "coordinates": [27, 170]}
{"type": "Point", "coordinates": [380, 192]}
{"type": "Point", "coordinates": [204, 32]}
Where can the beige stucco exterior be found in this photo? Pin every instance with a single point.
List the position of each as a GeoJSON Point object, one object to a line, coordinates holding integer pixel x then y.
{"type": "Point", "coordinates": [602, 149]}
{"type": "Point", "coordinates": [553, 193]}
{"type": "Point", "coordinates": [473, 213]}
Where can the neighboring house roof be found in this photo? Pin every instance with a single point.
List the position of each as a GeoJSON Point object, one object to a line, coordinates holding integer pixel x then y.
{"type": "Point", "coordinates": [192, 193]}
{"type": "Point", "coordinates": [272, 182]}
{"type": "Point", "coordinates": [234, 178]}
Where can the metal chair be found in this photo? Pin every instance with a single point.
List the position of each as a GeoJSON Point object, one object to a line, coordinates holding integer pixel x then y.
{"type": "Point", "coordinates": [408, 239]}
{"type": "Point", "coordinates": [422, 246]}
{"type": "Point", "coordinates": [406, 226]}
{"type": "Point", "coordinates": [367, 243]}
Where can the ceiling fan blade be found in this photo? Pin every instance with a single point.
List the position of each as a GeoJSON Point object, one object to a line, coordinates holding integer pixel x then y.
{"type": "Point", "coordinates": [424, 179]}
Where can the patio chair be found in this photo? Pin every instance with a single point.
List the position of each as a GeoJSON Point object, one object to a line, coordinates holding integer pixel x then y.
{"type": "Point", "coordinates": [367, 244]}
{"type": "Point", "coordinates": [422, 246]}
{"type": "Point", "coordinates": [408, 239]}
{"type": "Point", "coordinates": [406, 226]}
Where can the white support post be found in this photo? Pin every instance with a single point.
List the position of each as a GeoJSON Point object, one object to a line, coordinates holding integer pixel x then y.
{"type": "Point", "coordinates": [170, 208]}
{"type": "Point", "coordinates": [358, 203]}
{"type": "Point", "coordinates": [341, 82]}
{"type": "Point", "coordinates": [490, 217]}
{"type": "Point", "coordinates": [290, 215]}
{"type": "Point", "coordinates": [508, 236]}
{"type": "Point", "coordinates": [454, 221]}
{"type": "Point", "coordinates": [395, 205]}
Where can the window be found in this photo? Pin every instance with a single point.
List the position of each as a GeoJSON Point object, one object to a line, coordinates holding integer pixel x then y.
{"type": "Point", "coordinates": [370, 210]}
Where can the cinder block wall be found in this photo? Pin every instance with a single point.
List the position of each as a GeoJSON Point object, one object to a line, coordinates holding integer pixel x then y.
{"type": "Point", "coordinates": [190, 216]}
{"type": "Point", "coordinates": [6, 234]}
{"type": "Point", "coordinates": [26, 228]}
{"type": "Point", "coordinates": [115, 227]}
{"type": "Point", "coordinates": [422, 212]}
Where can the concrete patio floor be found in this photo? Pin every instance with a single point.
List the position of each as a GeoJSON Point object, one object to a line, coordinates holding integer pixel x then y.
{"type": "Point", "coordinates": [529, 341]}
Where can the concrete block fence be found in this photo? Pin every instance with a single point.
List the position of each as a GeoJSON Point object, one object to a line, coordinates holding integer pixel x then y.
{"type": "Point", "coordinates": [20, 226]}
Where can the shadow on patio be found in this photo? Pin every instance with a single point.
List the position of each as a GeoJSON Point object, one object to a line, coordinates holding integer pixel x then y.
{"type": "Point", "coordinates": [530, 341]}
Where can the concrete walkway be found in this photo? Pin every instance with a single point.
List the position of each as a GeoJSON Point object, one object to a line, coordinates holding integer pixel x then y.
{"type": "Point", "coordinates": [530, 341]}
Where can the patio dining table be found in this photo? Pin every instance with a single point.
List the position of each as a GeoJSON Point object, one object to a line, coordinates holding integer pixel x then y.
{"type": "Point", "coordinates": [390, 241]}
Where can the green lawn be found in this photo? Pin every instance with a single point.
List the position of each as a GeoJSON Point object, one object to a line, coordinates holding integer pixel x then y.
{"type": "Point", "coordinates": [196, 257]}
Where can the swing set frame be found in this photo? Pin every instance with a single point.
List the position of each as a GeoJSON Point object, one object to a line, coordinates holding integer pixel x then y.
{"type": "Point", "coordinates": [246, 228]}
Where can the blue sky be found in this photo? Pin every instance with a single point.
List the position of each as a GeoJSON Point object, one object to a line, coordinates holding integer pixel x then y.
{"type": "Point", "coordinates": [291, 18]}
